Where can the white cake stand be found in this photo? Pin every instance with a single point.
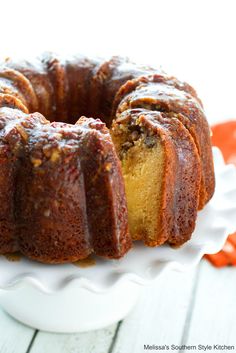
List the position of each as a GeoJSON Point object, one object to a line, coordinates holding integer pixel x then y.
{"type": "Point", "coordinates": [69, 298]}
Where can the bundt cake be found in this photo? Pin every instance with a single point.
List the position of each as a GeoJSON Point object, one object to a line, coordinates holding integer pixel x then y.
{"type": "Point", "coordinates": [66, 183]}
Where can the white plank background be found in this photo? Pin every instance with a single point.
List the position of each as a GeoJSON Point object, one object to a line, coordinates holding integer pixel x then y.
{"type": "Point", "coordinates": [196, 307]}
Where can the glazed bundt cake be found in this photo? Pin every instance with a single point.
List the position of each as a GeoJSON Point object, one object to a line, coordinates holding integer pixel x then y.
{"type": "Point", "coordinates": [66, 183]}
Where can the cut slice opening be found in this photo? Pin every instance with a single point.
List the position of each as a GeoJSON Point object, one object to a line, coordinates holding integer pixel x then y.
{"type": "Point", "coordinates": [142, 158]}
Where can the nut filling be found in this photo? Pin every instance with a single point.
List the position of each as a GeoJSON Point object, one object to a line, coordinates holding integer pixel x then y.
{"type": "Point", "coordinates": [138, 134]}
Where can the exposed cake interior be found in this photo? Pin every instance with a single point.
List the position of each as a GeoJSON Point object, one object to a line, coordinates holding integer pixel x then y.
{"type": "Point", "coordinates": [142, 158]}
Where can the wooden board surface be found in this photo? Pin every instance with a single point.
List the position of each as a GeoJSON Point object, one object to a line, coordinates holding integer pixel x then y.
{"type": "Point", "coordinates": [193, 308]}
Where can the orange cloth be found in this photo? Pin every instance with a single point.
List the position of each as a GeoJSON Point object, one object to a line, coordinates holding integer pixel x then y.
{"type": "Point", "coordinates": [224, 137]}
{"type": "Point", "coordinates": [227, 256]}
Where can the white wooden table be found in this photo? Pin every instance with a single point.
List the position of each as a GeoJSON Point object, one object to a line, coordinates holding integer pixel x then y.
{"type": "Point", "coordinates": [197, 307]}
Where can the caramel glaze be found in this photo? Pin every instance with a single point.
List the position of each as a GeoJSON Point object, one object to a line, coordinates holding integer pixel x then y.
{"type": "Point", "coordinates": [13, 257]}
{"type": "Point", "coordinates": [107, 80]}
{"type": "Point", "coordinates": [178, 203]}
{"type": "Point", "coordinates": [167, 94]}
{"type": "Point", "coordinates": [85, 263]}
